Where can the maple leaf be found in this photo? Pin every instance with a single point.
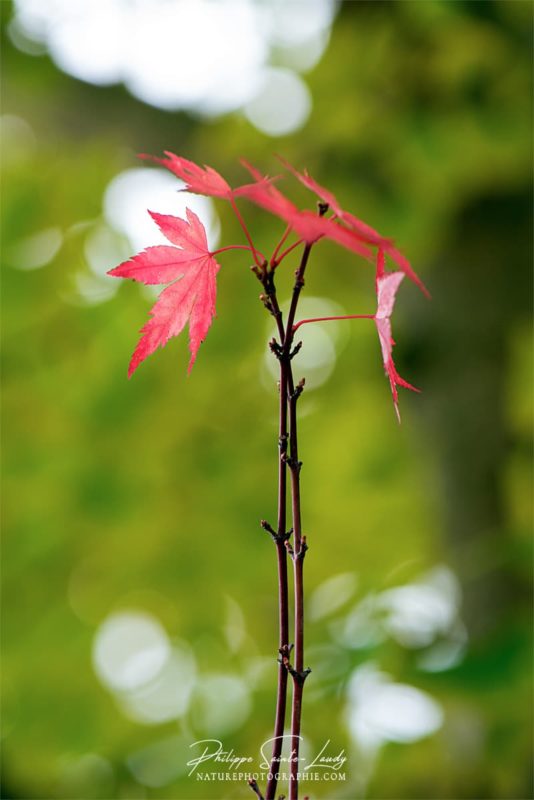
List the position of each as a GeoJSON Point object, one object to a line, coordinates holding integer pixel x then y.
{"type": "Point", "coordinates": [190, 297]}
{"type": "Point", "coordinates": [308, 225]}
{"type": "Point", "coordinates": [387, 285]}
{"type": "Point", "coordinates": [201, 180]}
{"type": "Point", "coordinates": [264, 193]}
{"type": "Point", "coordinates": [357, 226]}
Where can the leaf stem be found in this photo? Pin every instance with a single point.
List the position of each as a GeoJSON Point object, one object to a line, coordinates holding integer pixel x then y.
{"type": "Point", "coordinates": [234, 247]}
{"type": "Point", "coordinates": [273, 262]}
{"type": "Point", "coordinates": [241, 221]}
{"type": "Point", "coordinates": [329, 319]}
{"type": "Point", "coordinates": [288, 250]}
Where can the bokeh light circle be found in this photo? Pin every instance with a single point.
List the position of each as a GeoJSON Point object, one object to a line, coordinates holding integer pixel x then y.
{"type": "Point", "coordinates": [130, 649]}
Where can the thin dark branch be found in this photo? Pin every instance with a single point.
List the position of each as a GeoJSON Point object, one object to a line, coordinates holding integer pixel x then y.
{"type": "Point", "coordinates": [280, 536]}
{"type": "Point", "coordinates": [287, 437]}
{"type": "Point", "coordinates": [297, 288]}
{"type": "Point", "coordinates": [295, 466]}
{"type": "Point", "coordinates": [255, 788]}
{"type": "Point", "coordinates": [298, 673]}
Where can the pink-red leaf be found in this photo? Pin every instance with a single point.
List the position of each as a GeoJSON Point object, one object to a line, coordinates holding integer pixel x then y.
{"type": "Point", "coordinates": [309, 226]}
{"type": "Point", "coordinates": [386, 288]}
{"type": "Point", "coordinates": [189, 234]}
{"type": "Point", "coordinates": [202, 180]}
{"type": "Point", "coordinates": [154, 266]}
{"type": "Point", "coordinates": [357, 227]}
{"type": "Point", "coordinates": [191, 298]}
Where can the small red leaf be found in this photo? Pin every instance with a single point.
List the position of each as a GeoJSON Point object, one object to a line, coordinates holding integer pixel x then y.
{"type": "Point", "coordinates": [386, 288]}
{"type": "Point", "coordinates": [305, 178]}
{"type": "Point", "coordinates": [191, 298]}
{"type": "Point", "coordinates": [309, 226]}
{"type": "Point", "coordinates": [264, 193]}
{"type": "Point", "coordinates": [359, 228]}
{"type": "Point", "coordinates": [202, 180]}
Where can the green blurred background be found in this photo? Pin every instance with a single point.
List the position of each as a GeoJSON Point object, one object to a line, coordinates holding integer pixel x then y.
{"type": "Point", "coordinates": [139, 589]}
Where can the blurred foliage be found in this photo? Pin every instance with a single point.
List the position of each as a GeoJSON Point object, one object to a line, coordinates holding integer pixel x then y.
{"type": "Point", "coordinates": [147, 494]}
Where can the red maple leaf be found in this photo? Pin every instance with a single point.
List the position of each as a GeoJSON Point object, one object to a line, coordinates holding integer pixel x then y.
{"type": "Point", "coordinates": [387, 284]}
{"type": "Point", "coordinates": [308, 225]}
{"type": "Point", "coordinates": [356, 226]}
{"type": "Point", "coordinates": [191, 296]}
{"type": "Point", "coordinates": [201, 180]}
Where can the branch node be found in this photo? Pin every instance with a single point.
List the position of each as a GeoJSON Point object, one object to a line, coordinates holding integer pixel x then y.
{"type": "Point", "coordinates": [268, 281]}
{"type": "Point", "coordinates": [282, 442]}
{"type": "Point", "coordinates": [299, 280]}
{"type": "Point", "coordinates": [285, 652]}
{"type": "Point", "coordinates": [295, 350]}
{"type": "Point", "coordinates": [303, 548]}
{"type": "Point", "coordinates": [293, 464]}
{"type": "Point", "coordinates": [266, 300]}
{"type": "Point", "coordinates": [278, 538]}
{"type": "Point", "coordinates": [322, 208]}
{"type": "Point", "coordinates": [255, 788]}
{"type": "Point", "coordinates": [268, 528]}
{"type": "Point", "coordinates": [299, 388]}
{"type": "Point", "coordinates": [299, 677]}
{"type": "Point", "coordinates": [276, 349]}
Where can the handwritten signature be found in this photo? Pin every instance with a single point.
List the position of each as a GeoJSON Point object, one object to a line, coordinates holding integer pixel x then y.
{"type": "Point", "coordinates": [213, 751]}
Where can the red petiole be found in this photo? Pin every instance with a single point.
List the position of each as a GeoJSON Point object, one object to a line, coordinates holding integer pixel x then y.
{"type": "Point", "coordinates": [330, 319]}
